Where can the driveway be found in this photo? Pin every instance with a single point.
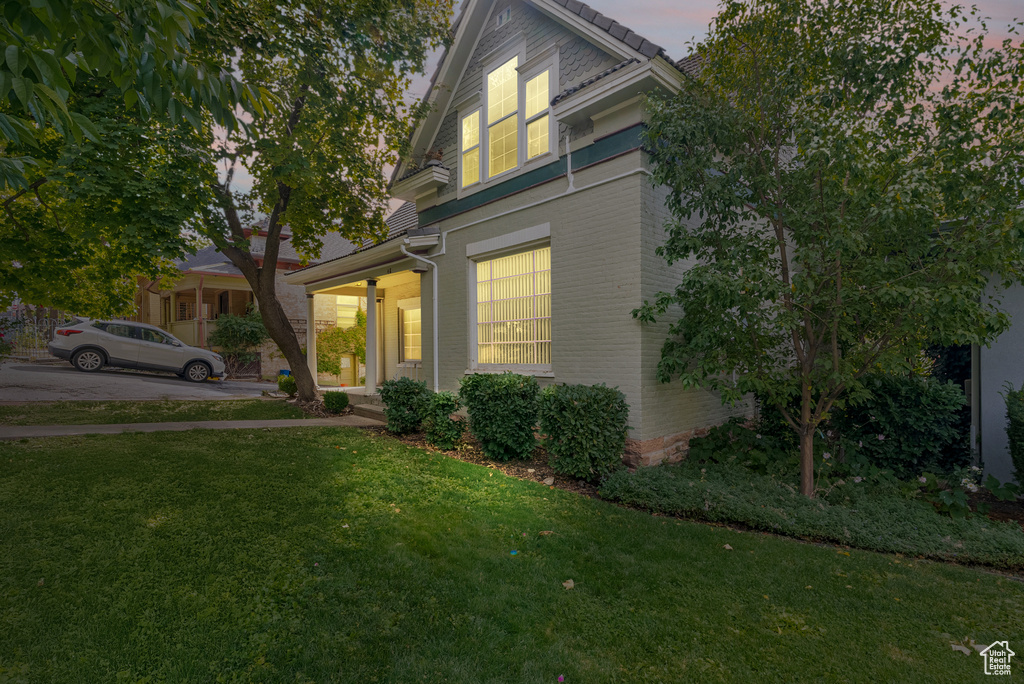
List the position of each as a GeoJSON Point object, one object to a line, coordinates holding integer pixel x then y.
{"type": "Point", "coordinates": [45, 382]}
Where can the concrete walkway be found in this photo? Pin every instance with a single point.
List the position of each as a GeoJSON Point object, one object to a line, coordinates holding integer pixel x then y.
{"type": "Point", "coordinates": [25, 431]}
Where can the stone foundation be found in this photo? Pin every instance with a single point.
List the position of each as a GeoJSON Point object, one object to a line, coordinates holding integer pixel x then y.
{"type": "Point", "coordinates": [667, 449]}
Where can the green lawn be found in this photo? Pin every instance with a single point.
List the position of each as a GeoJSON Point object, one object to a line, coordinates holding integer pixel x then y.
{"type": "Point", "coordinates": [109, 412]}
{"type": "Point", "coordinates": [331, 555]}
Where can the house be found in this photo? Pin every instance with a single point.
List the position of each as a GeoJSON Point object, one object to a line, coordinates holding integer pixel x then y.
{"type": "Point", "coordinates": [210, 280]}
{"type": "Point", "coordinates": [536, 221]}
{"type": "Point", "coordinates": [992, 368]}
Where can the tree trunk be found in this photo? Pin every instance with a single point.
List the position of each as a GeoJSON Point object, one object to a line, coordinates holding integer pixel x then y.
{"type": "Point", "coordinates": [807, 462]}
{"type": "Point", "coordinates": [806, 441]}
{"type": "Point", "coordinates": [283, 334]}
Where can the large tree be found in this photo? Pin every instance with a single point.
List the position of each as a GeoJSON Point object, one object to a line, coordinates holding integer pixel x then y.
{"type": "Point", "coordinates": [846, 184]}
{"type": "Point", "coordinates": [341, 71]}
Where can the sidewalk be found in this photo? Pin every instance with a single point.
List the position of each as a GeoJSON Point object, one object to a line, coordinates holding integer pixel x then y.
{"type": "Point", "coordinates": [26, 431]}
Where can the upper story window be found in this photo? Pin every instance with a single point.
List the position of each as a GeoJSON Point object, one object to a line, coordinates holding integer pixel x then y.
{"type": "Point", "coordinates": [503, 118]}
{"type": "Point", "coordinates": [513, 125]}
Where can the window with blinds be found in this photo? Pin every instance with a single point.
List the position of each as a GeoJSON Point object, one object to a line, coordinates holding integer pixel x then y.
{"type": "Point", "coordinates": [410, 321]}
{"type": "Point", "coordinates": [514, 309]}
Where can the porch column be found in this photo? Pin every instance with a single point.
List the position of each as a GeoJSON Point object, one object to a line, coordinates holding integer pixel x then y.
{"type": "Point", "coordinates": [200, 337]}
{"type": "Point", "coordinates": [371, 336]}
{"type": "Point", "coordinates": [174, 312]}
{"type": "Point", "coordinates": [311, 335]}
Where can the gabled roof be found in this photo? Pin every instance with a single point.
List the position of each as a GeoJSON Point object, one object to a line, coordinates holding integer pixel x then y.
{"type": "Point", "coordinates": [399, 223]}
{"type": "Point", "coordinates": [211, 260]}
{"type": "Point", "coordinates": [619, 40]}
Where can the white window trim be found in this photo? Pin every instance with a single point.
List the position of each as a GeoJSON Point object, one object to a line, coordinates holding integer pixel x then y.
{"type": "Point", "coordinates": [547, 61]}
{"type": "Point", "coordinates": [524, 240]}
{"type": "Point", "coordinates": [479, 146]}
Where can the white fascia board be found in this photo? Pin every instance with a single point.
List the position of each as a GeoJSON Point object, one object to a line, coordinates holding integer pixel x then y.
{"type": "Point", "coordinates": [455, 63]}
{"type": "Point", "coordinates": [381, 255]}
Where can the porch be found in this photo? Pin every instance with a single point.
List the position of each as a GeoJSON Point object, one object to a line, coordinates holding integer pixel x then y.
{"type": "Point", "coordinates": [190, 310]}
{"type": "Point", "coordinates": [394, 345]}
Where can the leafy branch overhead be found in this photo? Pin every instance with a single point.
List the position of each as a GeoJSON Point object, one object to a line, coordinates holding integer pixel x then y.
{"type": "Point", "coordinates": [844, 182]}
{"type": "Point", "coordinates": [146, 50]}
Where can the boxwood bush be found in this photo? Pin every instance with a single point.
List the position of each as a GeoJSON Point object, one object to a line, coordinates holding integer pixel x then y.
{"type": "Point", "coordinates": [335, 402]}
{"type": "Point", "coordinates": [441, 430]}
{"type": "Point", "coordinates": [502, 413]}
{"type": "Point", "coordinates": [405, 402]}
{"type": "Point", "coordinates": [909, 425]}
{"type": "Point", "coordinates": [287, 384]}
{"type": "Point", "coordinates": [876, 521]}
{"type": "Point", "coordinates": [584, 428]}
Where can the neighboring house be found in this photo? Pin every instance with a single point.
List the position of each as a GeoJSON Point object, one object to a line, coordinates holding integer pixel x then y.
{"type": "Point", "coordinates": [212, 281]}
{"type": "Point", "coordinates": [992, 368]}
{"type": "Point", "coordinates": [536, 221]}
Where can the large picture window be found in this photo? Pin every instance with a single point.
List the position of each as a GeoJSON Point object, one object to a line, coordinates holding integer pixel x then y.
{"type": "Point", "coordinates": [514, 309]}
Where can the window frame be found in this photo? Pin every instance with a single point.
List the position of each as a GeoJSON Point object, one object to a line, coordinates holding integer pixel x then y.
{"type": "Point", "coordinates": [478, 110]}
{"type": "Point", "coordinates": [493, 64]}
{"type": "Point", "coordinates": [527, 73]}
{"type": "Point", "coordinates": [526, 240]}
{"type": "Point", "coordinates": [403, 305]}
{"type": "Point", "coordinates": [528, 69]}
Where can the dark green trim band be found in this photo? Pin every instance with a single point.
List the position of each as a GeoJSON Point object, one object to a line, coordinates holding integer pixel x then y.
{"type": "Point", "coordinates": [605, 148]}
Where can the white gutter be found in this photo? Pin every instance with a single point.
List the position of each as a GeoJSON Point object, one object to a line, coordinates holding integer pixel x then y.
{"type": "Point", "coordinates": [434, 298]}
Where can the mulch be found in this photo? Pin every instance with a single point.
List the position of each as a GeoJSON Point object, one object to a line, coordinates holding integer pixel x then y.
{"type": "Point", "coordinates": [1004, 511]}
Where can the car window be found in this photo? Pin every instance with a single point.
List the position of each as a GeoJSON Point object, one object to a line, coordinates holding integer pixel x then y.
{"type": "Point", "coordinates": [120, 330]}
{"type": "Point", "coordinates": [150, 335]}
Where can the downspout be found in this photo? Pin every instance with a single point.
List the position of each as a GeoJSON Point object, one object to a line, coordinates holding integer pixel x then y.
{"type": "Point", "coordinates": [433, 297]}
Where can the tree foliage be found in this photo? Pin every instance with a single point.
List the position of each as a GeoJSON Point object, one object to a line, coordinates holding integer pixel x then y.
{"type": "Point", "coordinates": [845, 183]}
{"type": "Point", "coordinates": [341, 71]}
{"type": "Point", "coordinates": [144, 49]}
{"type": "Point", "coordinates": [98, 214]}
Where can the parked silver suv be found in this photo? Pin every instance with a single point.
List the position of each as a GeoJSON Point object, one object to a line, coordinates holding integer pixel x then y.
{"type": "Point", "coordinates": [91, 344]}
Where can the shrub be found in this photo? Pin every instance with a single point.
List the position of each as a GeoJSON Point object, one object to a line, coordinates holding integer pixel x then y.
{"type": "Point", "coordinates": [335, 402]}
{"type": "Point", "coordinates": [876, 521]}
{"type": "Point", "coordinates": [584, 429]}
{"type": "Point", "coordinates": [286, 383]}
{"type": "Point", "coordinates": [240, 336]}
{"type": "Point", "coordinates": [502, 413]}
{"type": "Point", "coordinates": [909, 425]}
{"type": "Point", "coordinates": [442, 431]}
{"type": "Point", "coordinates": [1015, 428]}
{"type": "Point", "coordinates": [405, 401]}
{"type": "Point", "coordinates": [736, 444]}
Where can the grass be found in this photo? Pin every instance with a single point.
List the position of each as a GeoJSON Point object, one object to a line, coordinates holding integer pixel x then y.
{"type": "Point", "coordinates": [110, 412]}
{"type": "Point", "coordinates": [332, 555]}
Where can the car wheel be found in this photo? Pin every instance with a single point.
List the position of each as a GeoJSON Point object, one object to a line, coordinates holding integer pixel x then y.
{"type": "Point", "coordinates": [197, 371]}
{"type": "Point", "coordinates": [88, 360]}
